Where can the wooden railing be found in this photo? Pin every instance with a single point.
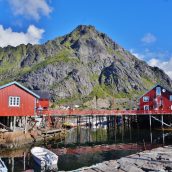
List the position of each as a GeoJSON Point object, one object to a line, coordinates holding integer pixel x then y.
{"type": "Point", "coordinates": [4, 126]}
{"type": "Point", "coordinates": [103, 112]}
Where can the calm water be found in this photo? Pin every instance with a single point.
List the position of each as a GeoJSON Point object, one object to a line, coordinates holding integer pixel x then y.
{"type": "Point", "coordinates": [72, 157]}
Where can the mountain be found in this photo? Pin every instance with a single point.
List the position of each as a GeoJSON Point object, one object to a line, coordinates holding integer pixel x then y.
{"type": "Point", "coordinates": [81, 66]}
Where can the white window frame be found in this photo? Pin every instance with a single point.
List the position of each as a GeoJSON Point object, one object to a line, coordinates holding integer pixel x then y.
{"type": "Point", "coordinates": [145, 107]}
{"type": "Point", "coordinates": [145, 97]}
{"type": "Point", "coordinates": [170, 98]}
{"type": "Point", "coordinates": [158, 91]}
{"type": "Point", "coordinates": [14, 101]}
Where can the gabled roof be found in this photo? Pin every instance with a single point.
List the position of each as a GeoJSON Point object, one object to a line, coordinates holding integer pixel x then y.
{"type": "Point", "coordinates": [43, 94]}
{"type": "Point", "coordinates": [21, 86]}
{"type": "Point", "coordinates": [154, 87]}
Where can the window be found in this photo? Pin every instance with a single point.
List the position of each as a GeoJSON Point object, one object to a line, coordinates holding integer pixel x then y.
{"type": "Point", "coordinates": [14, 101]}
{"type": "Point", "coordinates": [146, 99]}
{"type": "Point", "coordinates": [158, 91]}
{"type": "Point", "coordinates": [146, 107]}
{"type": "Point", "coordinates": [170, 97]}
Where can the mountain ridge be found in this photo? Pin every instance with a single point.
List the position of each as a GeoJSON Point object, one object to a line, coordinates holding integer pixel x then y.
{"type": "Point", "coordinates": [80, 65]}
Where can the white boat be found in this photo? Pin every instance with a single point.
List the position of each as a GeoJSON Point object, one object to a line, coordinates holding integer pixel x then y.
{"type": "Point", "coordinates": [44, 157]}
{"type": "Point", "coordinates": [3, 167]}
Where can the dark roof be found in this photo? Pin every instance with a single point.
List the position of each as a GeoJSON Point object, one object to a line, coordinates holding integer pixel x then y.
{"type": "Point", "coordinates": [43, 94]}
{"type": "Point", "coordinates": [21, 86]}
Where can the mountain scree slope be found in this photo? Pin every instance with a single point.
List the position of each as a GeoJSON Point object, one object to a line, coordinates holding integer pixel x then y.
{"type": "Point", "coordinates": [80, 66]}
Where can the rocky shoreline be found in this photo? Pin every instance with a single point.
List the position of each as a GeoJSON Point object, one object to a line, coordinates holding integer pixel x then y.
{"type": "Point", "coordinates": [158, 159]}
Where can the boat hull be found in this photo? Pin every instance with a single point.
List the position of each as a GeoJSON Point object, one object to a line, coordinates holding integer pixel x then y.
{"type": "Point", "coordinates": [43, 157]}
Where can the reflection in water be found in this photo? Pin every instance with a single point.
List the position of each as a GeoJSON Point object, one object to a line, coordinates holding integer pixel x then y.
{"type": "Point", "coordinates": [21, 160]}
{"type": "Point", "coordinates": [82, 136]}
{"type": "Point", "coordinates": [71, 162]}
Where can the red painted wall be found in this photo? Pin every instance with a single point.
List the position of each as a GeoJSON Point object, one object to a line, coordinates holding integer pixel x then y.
{"type": "Point", "coordinates": [27, 102]}
{"type": "Point", "coordinates": [44, 103]}
{"type": "Point", "coordinates": [165, 98]}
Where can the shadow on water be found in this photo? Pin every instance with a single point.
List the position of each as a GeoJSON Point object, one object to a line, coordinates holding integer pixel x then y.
{"type": "Point", "coordinates": [87, 146]}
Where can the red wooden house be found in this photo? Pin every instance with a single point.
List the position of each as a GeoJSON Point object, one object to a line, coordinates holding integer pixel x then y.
{"type": "Point", "coordinates": [17, 100]}
{"type": "Point", "coordinates": [43, 101]}
{"type": "Point", "coordinates": [158, 98]}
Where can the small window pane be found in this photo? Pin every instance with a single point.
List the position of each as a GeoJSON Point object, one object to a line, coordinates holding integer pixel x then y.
{"type": "Point", "coordinates": [146, 107]}
{"type": "Point", "coordinates": [146, 99]}
{"type": "Point", "coordinates": [18, 101]}
{"type": "Point", "coordinates": [170, 97]}
{"type": "Point", "coordinates": [158, 91]}
{"type": "Point", "coordinates": [11, 100]}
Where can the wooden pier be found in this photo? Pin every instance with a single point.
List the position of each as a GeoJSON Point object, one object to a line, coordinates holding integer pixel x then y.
{"type": "Point", "coordinates": [162, 117]}
{"type": "Point", "coordinates": [100, 112]}
{"type": "Point", "coordinates": [52, 133]}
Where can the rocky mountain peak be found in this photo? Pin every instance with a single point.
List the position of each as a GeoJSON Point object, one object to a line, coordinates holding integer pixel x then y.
{"type": "Point", "coordinates": [90, 32]}
{"type": "Point", "coordinates": [81, 65]}
{"type": "Point", "coordinates": [85, 28]}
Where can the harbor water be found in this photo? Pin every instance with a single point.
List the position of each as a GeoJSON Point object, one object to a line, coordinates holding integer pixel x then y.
{"type": "Point", "coordinates": [85, 146]}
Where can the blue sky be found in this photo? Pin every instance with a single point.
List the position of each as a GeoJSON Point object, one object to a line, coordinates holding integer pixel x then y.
{"type": "Point", "coordinates": [141, 26]}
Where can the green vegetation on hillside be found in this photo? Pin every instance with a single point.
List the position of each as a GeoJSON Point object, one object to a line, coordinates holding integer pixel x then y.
{"type": "Point", "coordinates": [85, 65]}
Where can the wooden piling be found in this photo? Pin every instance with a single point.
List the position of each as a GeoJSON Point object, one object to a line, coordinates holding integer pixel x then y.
{"type": "Point", "coordinates": [162, 122]}
{"type": "Point", "coordinates": [25, 128]}
{"type": "Point", "coordinates": [14, 123]}
{"type": "Point", "coordinates": [11, 123]}
{"type": "Point", "coordinates": [150, 121]}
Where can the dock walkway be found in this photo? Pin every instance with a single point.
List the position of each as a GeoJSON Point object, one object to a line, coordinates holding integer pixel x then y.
{"type": "Point", "coordinates": [52, 131]}
{"type": "Point", "coordinates": [159, 160]}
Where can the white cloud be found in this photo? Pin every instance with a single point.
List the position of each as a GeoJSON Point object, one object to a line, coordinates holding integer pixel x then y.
{"type": "Point", "coordinates": [9, 37]}
{"type": "Point", "coordinates": [153, 62]}
{"type": "Point", "coordinates": [148, 54]}
{"type": "Point", "coordinates": [138, 55]}
{"type": "Point", "coordinates": [30, 8]}
{"type": "Point", "coordinates": [164, 65]}
{"type": "Point", "coordinates": [149, 38]}
{"type": "Point", "coordinates": [153, 59]}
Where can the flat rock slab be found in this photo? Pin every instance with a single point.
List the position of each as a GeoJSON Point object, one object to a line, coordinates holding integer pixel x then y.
{"type": "Point", "coordinates": [159, 160]}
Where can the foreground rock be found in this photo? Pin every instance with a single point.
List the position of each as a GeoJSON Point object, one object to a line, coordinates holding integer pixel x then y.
{"type": "Point", "coordinates": [159, 159]}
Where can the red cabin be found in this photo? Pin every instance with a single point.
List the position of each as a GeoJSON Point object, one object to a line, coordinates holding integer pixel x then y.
{"type": "Point", "coordinates": [43, 102]}
{"type": "Point", "coordinates": [17, 100]}
{"type": "Point", "coordinates": [158, 98]}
